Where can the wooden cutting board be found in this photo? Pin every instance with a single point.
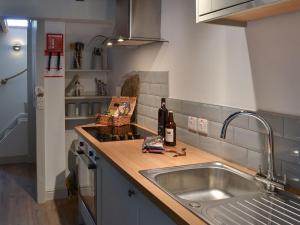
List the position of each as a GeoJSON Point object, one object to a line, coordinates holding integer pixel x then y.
{"type": "Point", "coordinates": [131, 88]}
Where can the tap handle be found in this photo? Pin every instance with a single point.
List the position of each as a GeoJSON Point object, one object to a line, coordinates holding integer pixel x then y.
{"type": "Point", "coordinates": [284, 181]}
{"type": "Point", "coordinates": [259, 172]}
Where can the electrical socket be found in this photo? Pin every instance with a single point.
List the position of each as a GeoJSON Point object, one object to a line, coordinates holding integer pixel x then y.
{"type": "Point", "coordinates": [192, 123]}
{"type": "Point", "coordinates": [202, 126]}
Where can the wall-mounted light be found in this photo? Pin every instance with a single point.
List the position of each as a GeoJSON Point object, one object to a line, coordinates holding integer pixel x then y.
{"type": "Point", "coordinates": [16, 47]}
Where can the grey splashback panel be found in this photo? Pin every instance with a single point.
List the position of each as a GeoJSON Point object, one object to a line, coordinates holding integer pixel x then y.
{"type": "Point", "coordinates": [245, 142]}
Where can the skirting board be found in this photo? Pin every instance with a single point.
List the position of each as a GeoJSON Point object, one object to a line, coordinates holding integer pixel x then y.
{"type": "Point", "coordinates": [56, 194]}
{"type": "Point", "coordinates": [15, 159]}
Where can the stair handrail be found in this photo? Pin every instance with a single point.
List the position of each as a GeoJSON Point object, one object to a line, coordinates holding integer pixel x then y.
{"type": "Point", "coordinates": [5, 80]}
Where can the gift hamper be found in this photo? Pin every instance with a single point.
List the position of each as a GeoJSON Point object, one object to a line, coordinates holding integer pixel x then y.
{"type": "Point", "coordinates": [119, 112]}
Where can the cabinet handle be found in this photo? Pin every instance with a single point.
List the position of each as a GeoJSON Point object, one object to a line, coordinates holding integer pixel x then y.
{"type": "Point", "coordinates": [131, 193]}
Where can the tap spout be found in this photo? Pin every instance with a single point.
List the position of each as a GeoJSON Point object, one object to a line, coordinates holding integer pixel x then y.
{"type": "Point", "coordinates": [270, 149]}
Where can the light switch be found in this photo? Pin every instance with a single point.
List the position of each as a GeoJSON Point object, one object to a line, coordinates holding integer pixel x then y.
{"type": "Point", "coordinates": [202, 126]}
{"type": "Point", "coordinates": [40, 104]}
{"type": "Point", "coordinates": [192, 123]}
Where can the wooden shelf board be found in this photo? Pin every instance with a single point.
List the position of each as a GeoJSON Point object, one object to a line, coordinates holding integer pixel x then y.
{"type": "Point", "coordinates": [86, 71]}
{"type": "Point", "coordinates": [80, 117]}
{"type": "Point", "coordinates": [104, 22]}
{"type": "Point", "coordinates": [86, 97]}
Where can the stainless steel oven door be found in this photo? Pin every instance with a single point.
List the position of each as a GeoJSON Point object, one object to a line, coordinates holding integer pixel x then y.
{"type": "Point", "coordinates": [87, 174]}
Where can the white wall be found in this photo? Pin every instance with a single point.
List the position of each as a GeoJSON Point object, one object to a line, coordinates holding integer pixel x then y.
{"type": "Point", "coordinates": [206, 63]}
{"type": "Point", "coordinates": [253, 68]}
{"type": "Point", "coordinates": [40, 115]}
{"type": "Point", "coordinates": [54, 92]}
{"type": "Point", "coordinates": [50, 124]}
{"type": "Point", "coordinates": [13, 95]}
{"type": "Point", "coordinates": [58, 9]}
{"type": "Point", "coordinates": [274, 48]}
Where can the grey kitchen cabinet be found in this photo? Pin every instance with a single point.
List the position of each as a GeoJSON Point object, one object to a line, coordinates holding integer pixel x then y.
{"type": "Point", "coordinates": [239, 12]}
{"type": "Point", "coordinates": [150, 214]}
{"type": "Point", "coordinates": [123, 204]}
{"type": "Point", "coordinates": [118, 208]}
{"type": "Point", "coordinates": [221, 4]}
{"type": "Point", "coordinates": [209, 6]}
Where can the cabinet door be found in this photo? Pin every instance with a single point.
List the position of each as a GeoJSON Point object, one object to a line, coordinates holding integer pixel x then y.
{"type": "Point", "coordinates": [221, 4]}
{"type": "Point", "coordinates": [117, 205]}
{"type": "Point", "coordinates": [149, 213]}
{"type": "Point", "coordinates": [203, 7]}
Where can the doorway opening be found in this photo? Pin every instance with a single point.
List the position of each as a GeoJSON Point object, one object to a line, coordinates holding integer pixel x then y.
{"type": "Point", "coordinates": [17, 114]}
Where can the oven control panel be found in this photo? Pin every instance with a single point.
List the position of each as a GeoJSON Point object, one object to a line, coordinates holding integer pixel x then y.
{"type": "Point", "coordinates": [85, 148]}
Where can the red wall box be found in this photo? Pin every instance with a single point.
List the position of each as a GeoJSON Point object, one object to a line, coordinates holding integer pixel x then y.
{"type": "Point", "coordinates": [55, 44]}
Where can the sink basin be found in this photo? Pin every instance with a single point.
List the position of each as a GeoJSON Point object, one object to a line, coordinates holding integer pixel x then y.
{"type": "Point", "coordinates": [203, 182]}
{"type": "Point", "coordinates": [220, 195]}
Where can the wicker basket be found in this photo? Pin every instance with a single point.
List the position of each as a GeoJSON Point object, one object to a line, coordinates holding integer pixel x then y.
{"type": "Point", "coordinates": [118, 130]}
{"type": "Point", "coordinates": [120, 120]}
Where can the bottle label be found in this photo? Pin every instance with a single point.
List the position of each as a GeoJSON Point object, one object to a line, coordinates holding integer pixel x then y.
{"type": "Point", "coordinates": [169, 135]}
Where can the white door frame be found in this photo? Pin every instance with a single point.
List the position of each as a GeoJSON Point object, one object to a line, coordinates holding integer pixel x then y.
{"type": "Point", "coordinates": [40, 113]}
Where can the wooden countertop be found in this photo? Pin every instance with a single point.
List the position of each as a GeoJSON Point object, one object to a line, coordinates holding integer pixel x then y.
{"type": "Point", "coordinates": [128, 157]}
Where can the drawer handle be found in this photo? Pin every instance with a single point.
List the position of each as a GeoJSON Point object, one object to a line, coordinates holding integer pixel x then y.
{"type": "Point", "coordinates": [131, 193]}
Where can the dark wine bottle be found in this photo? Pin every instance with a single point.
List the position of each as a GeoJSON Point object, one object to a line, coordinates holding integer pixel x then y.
{"type": "Point", "coordinates": [162, 118]}
{"type": "Point", "coordinates": [170, 132]}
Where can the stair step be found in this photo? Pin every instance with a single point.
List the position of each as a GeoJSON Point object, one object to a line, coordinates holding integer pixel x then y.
{"type": "Point", "coordinates": [22, 117]}
{"type": "Point", "coordinates": [7, 132]}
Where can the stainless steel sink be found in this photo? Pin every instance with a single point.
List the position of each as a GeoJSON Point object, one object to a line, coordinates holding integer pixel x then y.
{"type": "Point", "coordinates": [200, 186]}
{"type": "Point", "coordinates": [219, 194]}
{"type": "Point", "coordinates": [206, 182]}
{"type": "Point", "coordinates": [203, 182]}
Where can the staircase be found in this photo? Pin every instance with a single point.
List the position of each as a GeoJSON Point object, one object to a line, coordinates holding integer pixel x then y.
{"type": "Point", "coordinates": [14, 140]}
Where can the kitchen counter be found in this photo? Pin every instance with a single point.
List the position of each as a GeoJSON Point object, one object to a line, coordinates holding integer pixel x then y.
{"type": "Point", "coordinates": [127, 156]}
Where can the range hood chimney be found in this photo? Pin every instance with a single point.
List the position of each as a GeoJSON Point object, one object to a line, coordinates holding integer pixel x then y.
{"type": "Point", "coordinates": [138, 22]}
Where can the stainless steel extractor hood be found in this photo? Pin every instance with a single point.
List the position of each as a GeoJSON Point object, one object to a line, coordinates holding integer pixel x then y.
{"type": "Point", "coordinates": [138, 22]}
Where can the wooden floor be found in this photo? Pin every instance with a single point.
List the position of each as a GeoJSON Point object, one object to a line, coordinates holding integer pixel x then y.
{"type": "Point", "coordinates": [18, 205]}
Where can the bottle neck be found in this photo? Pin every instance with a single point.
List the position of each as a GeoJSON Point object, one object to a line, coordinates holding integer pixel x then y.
{"type": "Point", "coordinates": [171, 118]}
{"type": "Point", "coordinates": [163, 103]}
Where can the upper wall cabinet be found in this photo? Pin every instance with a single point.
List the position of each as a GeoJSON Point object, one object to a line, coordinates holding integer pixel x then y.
{"type": "Point", "coordinates": [222, 4]}
{"type": "Point", "coordinates": [239, 12]}
{"type": "Point", "coordinates": [203, 7]}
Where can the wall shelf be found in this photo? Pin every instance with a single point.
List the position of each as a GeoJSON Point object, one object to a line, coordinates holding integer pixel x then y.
{"type": "Point", "coordinates": [86, 71]}
{"type": "Point", "coordinates": [86, 97]}
{"type": "Point", "coordinates": [80, 118]}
